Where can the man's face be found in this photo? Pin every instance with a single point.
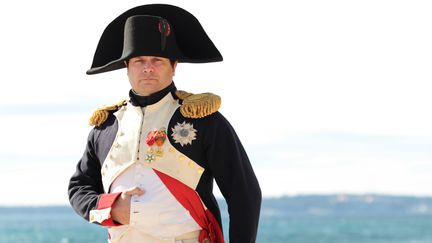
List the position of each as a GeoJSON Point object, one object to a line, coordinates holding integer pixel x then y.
{"type": "Point", "coordinates": [150, 74]}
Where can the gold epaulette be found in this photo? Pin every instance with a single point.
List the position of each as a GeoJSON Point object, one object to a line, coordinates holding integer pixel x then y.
{"type": "Point", "coordinates": [198, 105]}
{"type": "Point", "coordinates": [101, 114]}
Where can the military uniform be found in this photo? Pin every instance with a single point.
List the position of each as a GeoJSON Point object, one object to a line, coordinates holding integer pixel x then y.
{"type": "Point", "coordinates": [173, 144]}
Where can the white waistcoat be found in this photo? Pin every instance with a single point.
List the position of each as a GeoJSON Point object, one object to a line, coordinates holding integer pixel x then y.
{"type": "Point", "coordinates": [156, 214]}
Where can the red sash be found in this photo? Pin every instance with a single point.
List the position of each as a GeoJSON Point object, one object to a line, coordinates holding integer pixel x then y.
{"type": "Point", "coordinates": [189, 198]}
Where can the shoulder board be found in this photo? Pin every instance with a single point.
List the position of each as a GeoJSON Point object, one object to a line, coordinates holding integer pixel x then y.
{"type": "Point", "coordinates": [198, 105]}
{"type": "Point", "coordinates": [100, 115]}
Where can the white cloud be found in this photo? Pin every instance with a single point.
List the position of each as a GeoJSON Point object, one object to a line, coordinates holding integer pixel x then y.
{"type": "Point", "coordinates": [48, 135]}
{"type": "Point", "coordinates": [36, 182]}
{"type": "Point", "coordinates": [367, 176]}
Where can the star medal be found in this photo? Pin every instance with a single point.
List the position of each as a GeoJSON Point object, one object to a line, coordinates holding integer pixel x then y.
{"type": "Point", "coordinates": [150, 158]}
{"type": "Point", "coordinates": [184, 133]}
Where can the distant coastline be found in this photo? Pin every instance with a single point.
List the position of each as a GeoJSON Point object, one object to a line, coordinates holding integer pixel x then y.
{"type": "Point", "coordinates": [313, 204]}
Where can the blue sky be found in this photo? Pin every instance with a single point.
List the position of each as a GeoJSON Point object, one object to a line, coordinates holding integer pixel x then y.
{"type": "Point", "coordinates": [326, 96]}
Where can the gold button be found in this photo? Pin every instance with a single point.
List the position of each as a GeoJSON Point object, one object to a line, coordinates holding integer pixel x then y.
{"type": "Point", "coordinates": [182, 157]}
{"type": "Point", "coordinates": [200, 171]}
{"type": "Point", "coordinates": [190, 163]}
{"type": "Point", "coordinates": [171, 149]}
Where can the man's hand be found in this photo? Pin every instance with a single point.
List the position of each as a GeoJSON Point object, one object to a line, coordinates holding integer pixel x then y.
{"type": "Point", "coordinates": [120, 211]}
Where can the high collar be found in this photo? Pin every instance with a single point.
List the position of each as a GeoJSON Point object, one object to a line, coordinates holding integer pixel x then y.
{"type": "Point", "coordinates": [143, 101]}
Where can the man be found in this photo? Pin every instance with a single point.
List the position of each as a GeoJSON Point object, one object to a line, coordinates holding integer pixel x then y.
{"type": "Point", "coordinates": [148, 168]}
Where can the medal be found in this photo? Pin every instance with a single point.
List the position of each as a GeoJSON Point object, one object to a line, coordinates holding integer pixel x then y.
{"type": "Point", "coordinates": [184, 133]}
{"type": "Point", "coordinates": [150, 158]}
{"type": "Point", "coordinates": [155, 140]}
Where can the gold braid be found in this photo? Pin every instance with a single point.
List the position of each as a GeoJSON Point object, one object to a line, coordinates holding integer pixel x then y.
{"type": "Point", "coordinates": [198, 105]}
{"type": "Point", "coordinates": [101, 114]}
{"type": "Point", "coordinates": [182, 94]}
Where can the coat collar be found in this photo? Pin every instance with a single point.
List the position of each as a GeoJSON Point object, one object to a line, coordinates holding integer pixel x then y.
{"type": "Point", "coordinates": [143, 101]}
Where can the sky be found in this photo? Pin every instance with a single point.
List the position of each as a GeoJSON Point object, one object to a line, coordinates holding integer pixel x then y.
{"type": "Point", "coordinates": [327, 97]}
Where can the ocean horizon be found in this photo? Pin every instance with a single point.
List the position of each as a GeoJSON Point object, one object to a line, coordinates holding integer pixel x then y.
{"type": "Point", "coordinates": [341, 218]}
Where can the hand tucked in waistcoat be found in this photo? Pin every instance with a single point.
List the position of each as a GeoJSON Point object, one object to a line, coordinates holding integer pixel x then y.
{"type": "Point", "coordinates": [120, 211]}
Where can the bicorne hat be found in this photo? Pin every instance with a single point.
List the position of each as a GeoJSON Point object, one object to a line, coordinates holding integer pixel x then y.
{"type": "Point", "coordinates": [153, 30]}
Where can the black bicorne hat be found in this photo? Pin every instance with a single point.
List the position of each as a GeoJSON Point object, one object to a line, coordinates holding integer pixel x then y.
{"type": "Point", "coordinates": [153, 30]}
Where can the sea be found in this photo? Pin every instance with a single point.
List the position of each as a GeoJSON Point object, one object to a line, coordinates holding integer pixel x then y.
{"type": "Point", "coordinates": [290, 219]}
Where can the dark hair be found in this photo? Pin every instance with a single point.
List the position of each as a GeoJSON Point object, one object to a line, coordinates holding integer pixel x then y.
{"type": "Point", "coordinates": [172, 62]}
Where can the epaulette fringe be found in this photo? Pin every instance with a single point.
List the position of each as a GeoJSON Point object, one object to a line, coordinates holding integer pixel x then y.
{"type": "Point", "coordinates": [198, 105]}
{"type": "Point", "coordinates": [100, 115]}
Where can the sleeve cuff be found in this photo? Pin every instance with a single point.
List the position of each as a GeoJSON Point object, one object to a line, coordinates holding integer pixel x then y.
{"type": "Point", "coordinates": [102, 214]}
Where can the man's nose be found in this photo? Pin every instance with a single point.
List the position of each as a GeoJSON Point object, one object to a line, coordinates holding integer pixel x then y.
{"type": "Point", "coordinates": [147, 67]}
